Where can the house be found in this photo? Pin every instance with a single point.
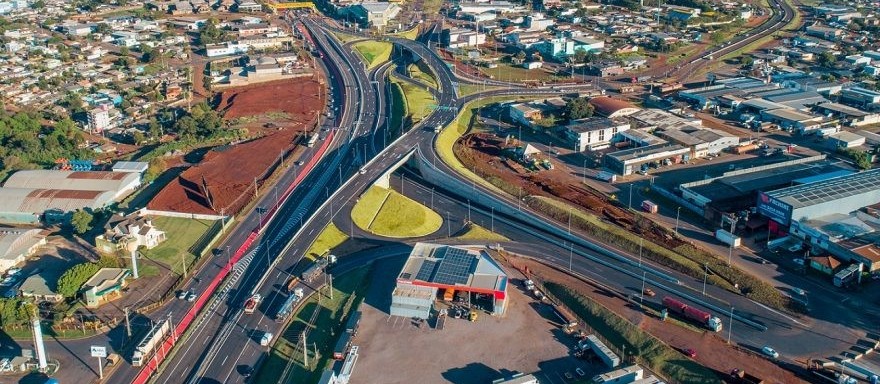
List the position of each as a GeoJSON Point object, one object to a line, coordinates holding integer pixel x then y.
{"type": "Point", "coordinates": [128, 233]}
{"type": "Point", "coordinates": [106, 285]}
{"type": "Point", "coordinates": [826, 264]}
{"type": "Point", "coordinates": [857, 60]}
{"type": "Point", "coordinates": [593, 133]}
{"type": "Point", "coordinates": [823, 32]}
{"type": "Point", "coordinates": [36, 287]}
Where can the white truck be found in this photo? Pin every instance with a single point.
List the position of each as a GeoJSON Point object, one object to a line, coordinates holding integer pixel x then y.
{"type": "Point", "coordinates": [266, 339]}
{"type": "Point", "coordinates": [728, 238]}
{"type": "Point", "coordinates": [148, 344]}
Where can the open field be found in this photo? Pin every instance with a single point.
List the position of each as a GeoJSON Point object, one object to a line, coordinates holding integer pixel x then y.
{"type": "Point", "coordinates": [348, 291]}
{"type": "Point", "coordinates": [222, 182]}
{"type": "Point", "coordinates": [374, 52]}
{"type": "Point", "coordinates": [182, 235]}
{"type": "Point", "coordinates": [331, 237]}
{"type": "Point", "coordinates": [388, 213]}
{"type": "Point", "coordinates": [506, 72]}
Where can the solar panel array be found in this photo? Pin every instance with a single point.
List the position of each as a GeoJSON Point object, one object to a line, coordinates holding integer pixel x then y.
{"type": "Point", "coordinates": [455, 267]}
{"type": "Point", "coordinates": [832, 189]}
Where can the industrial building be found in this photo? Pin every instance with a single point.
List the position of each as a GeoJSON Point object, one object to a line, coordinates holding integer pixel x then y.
{"type": "Point", "coordinates": [612, 108]}
{"type": "Point", "coordinates": [431, 268]}
{"type": "Point", "coordinates": [17, 244]}
{"type": "Point", "coordinates": [120, 183]}
{"type": "Point", "coordinates": [629, 161]}
{"type": "Point", "coordinates": [31, 195]}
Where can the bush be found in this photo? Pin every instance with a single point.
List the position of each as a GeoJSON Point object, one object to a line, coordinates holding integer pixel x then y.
{"type": "Point", "coordinates": [72, 279]}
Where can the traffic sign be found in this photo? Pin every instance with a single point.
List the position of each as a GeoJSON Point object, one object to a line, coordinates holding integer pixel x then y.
{"type": "Point", "coordinates": [98, 351]}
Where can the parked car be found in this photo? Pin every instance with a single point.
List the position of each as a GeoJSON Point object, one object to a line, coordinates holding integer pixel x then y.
{"type": "Point", "coordinates": [770, 352]}
{"type": "Point", "coordinates": [580, 372]}
{"type": "Point", "coordinates": [13, 271]}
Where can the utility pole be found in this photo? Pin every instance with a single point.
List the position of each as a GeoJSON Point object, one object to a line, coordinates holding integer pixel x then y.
{"type": "Point", "coordinates": [305, 350]}
{"type": "Point", "coordinates": [705, 277]}
{"type": "Point", "coordinates": [730, 326]}
{"type": "Point", "coordinates": [642, 295]}
{"type": "Point", "coordinates": [677, 212]}
{"type": "Point", "coordinates": [570, 255]}
{"type": "Point", "coordinates": [630, 196]}
{"type": "Point", "coordinates": [493, 219]}
{"type": "Point", "coordinates": [127, 324]}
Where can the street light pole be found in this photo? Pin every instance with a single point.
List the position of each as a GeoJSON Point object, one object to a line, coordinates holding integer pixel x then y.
{"type": "Point", "coordinates": [585, 171]}
{"type": "Point", "coordinates": [730, 326]}
{"type": "Point", "coordinates": [642, 295]}
{"type": "Point", "coordinates": [630, 196]}
{"type": "Point", "coordinates": [705, 277]}
{"type": "Point", "coordinates": [677, 212]}
{"type": "Point", "coordinates": [729, 253]}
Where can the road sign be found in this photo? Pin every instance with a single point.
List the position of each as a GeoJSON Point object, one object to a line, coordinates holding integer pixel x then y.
{"type": "Point", "coordinates": [98, 351]}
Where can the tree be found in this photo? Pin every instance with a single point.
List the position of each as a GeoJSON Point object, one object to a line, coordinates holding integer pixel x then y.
{"type": "Point", "coordinates": [81, 221]}
{"type": "Point", "coordinates": [72, 279]}
{"type": "Point", "coordinates": [210, 34]}
{"type": "Point", "coordinates": [580, 55]}
{"type": "Point", "coordinates": [123, 51]}
{"type": "Point", "coordinates": [138, 137]}
{"type": "Point", "coordinates": [157, 166]}
{"type": "Point", "coordinates": [578, 108]}
{"type": "Point", "coordinates": [826, 59]}
{"type": "Point", "coordinates": [154, 129]}
{"type": "Point", "coordinates": [717, 37]}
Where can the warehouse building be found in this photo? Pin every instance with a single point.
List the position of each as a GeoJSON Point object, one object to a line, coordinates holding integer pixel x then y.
{"type": "Point", "coordinates": [120, 183]}
{"type": "Point", "coordinates": [629, 161]}
{"type": "Point", "coordinates": [17, 244]}
{"type": "Point", "coordinates": [29, 206]}
{"type": "Point", "coordinates": [842, 194]}
{"type": "Point", "coordinates": [431, 268]}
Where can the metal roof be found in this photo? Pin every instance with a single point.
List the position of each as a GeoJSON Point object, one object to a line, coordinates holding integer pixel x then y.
{"type": "Point", "coordinates": [448, 266]}
{"type": "Point", "coordinates": [829, 190]}
{"type": "Point", "coordinates": [29, 200]}
{"type": "Point", "coordinates": [73, 180]}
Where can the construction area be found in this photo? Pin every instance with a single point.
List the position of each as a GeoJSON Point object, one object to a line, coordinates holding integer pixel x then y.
{"type": "Point", "coordinates": [279, 113]}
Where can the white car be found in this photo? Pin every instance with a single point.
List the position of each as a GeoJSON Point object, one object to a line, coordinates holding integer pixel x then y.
{"type": "Point", "coordinates": [770, 352]}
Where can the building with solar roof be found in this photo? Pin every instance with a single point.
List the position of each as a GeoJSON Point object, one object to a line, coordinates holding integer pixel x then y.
{"type": "Point", "coordinates": [434, 268]}
{"type": "Point", "coordinates": [842, 194]}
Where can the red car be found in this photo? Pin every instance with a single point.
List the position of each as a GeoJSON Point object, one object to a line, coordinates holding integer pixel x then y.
{"type": "Point", "coordinates": [690, 352]}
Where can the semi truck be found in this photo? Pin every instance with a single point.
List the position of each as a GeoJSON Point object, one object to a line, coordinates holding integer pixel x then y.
{"type": "Point", "coordinates": [317, 268]}
{"type": "Point", "coordinates": [250, 305]}
{"type": "Point", "coordinates": [604, 353]}
{"type": "Point", "coordinates": [728, 238]}
{"type": "Point", "coordinates": [342, 346]}
{"type": "Point", "coordinates": [649, 206]}
{"type": "Point", "coordinates": [607, 176]}
{"type": "Point", "coordinates": [148, 344]}
{"type": "Point", "coordinates": [288, 305]}
{"type": "Point", "coordinates": [621, 376]}
{"type": "Point", "coordinates": [705, 318]}
{"type": "Point", "coordinates": [291, 284]}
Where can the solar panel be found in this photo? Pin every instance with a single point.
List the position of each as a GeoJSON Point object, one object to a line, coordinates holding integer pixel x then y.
{"type": "Point", "coordinates": [455, 267]}
{"type": "Point", "coordinates": [426, 270]}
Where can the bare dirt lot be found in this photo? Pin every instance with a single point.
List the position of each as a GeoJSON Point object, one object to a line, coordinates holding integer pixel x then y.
{"type": "Point", "coordinates": [224, 180]}
{"type": "Point", "coordinates": [712, 350]}
{"type": "Point", "coordinates": [394, 350]}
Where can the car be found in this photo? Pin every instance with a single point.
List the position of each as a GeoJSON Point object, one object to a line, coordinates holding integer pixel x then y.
{"type": "Point", "coordinates": [569, 376]}
{"type": "Point", "coordinates": [580, 372]}
{"type": "Point", "coordinates": [800, 291]}
{"type": "Point", "coordinates": [13, 271]}
{"type": "Point", "coordinates": [770, 352]}
{"type": "Point", "coordinates": [182, 295]}
{"type": "Point", "coordinates": [362, 171]}
{"type": "Point", "coordinates": [690, 352]}
{"type": "Point", "coordinates": [247, 371]}
{"type": "Point", "coordinates": [191, 296]}
{"type": "Point", "coordinates": [216, 251]}
{"type": "Point", "coordinates": [798, 261]}
{"type": "Point", "coordinates": [649, 292]}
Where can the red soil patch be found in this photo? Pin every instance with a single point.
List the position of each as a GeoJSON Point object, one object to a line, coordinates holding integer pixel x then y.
{"type": "Point", "coordinates": [223, 182]}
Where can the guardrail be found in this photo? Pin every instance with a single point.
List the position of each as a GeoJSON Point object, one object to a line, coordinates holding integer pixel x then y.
{"type": "Point", "coordinates": [163, 350]}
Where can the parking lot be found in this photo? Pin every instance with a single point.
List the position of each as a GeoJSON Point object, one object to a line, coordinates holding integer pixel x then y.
{"type": "Point", "coordinates": [399, 350]}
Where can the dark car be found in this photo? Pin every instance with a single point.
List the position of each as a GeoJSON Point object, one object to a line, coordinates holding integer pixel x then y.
{"type": "Point", "coordinates": [690, 352]}
{"type": "Point", "coordinates": [247, 371]}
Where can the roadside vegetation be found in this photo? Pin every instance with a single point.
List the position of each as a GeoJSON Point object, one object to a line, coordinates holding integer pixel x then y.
{"type": "Point", "coordinates": [386, 212]}
{"type": "Point", "coordinates": [374, 52]}
{"type": "Point", "coordinates": [421, 72]}
{"type": "Point", "coordinates": [473, 231]}
{"type": "Point", "coordinates": [646, 349]}
{"type": "Point", "coordinates": [411, 34]}
{"type": "Point", "coordinates": [285, 361]}
{"type": "Point", "coordinates": [417, 99]}
{"type": "Point", "coordinates": [331, 237]}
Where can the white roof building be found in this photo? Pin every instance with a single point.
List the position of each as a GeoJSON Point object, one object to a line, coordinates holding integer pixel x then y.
{"type": "Point", "coordinates": [119, 183]}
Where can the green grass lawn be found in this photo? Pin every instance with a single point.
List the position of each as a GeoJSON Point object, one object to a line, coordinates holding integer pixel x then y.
{"type": "Point", "coordinates": [398, 110]}
{"type": "Point", "coordinates": [181, 235]}
{"type": "Point", "coordinates": [647, 349]}
{"type": "Point", "coordinates": [469, 89]}
{"type": "Point", "coordinates": [418, 100]}
{"type": "Point", "coordinates": [329, 238]}
{"type": "Point", "coordinates": [388, 213]}
{"type": "Point", "coordinates": [346, 38]}
{"type": "Point", "coordinates": [421, 72]}
{"type": "Point", "coordinates": [411, 34]}
{"type": "Point", "coordinates": [348, 292]}
{"type": "Point", "coordinates": [374, 52]}
{"type": "Point", "coordinates": [506, 72]}
{"type": "Point", "coordinates": [476, 232]}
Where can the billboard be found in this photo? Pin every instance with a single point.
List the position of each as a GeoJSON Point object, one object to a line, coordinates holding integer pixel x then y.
{"type": "Point", "coordinates": [774, 209]}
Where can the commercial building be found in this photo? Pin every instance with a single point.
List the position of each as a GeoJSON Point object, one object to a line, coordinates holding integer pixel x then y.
{"type": "Point", "coordinates": [808, 201]}
{"type": "Point", "coordinates": [17, 244]}
{"type": "Point", "coordinates": [104, 286]}
{"type": "Point", "coordinates": [242, 46]}
{"type": "Point", "coordinates": [612, 108]}
{"type": "Point", "coordinates": [461, 38]}
{"type": "Point", "coordinates": [434, 267]}
{"type": "Point", "coordinates": [593, 133]}
{"type": "Point", "coordinates": [375, 14]}
{"type": "Point", "coordinates": [628, 161]}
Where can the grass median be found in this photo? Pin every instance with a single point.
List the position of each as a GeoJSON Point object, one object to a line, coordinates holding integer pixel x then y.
{"type": "Point", "coordinates": [418, 100]}
{"type": "Point", "coordinates": [331, 237]}
{"type": "Point", "coordinates": [475, 232]}
{"type": "Point", "coordinates": [374, 52]}
{"type": "Point", "coordinates": [387, 213]}
{"type": "Point", "coordinates": [420, 71]}
{"type": "Point", "coordinates": [648, 350]}
{"type": "Point", "coordinates": [287, 354]}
